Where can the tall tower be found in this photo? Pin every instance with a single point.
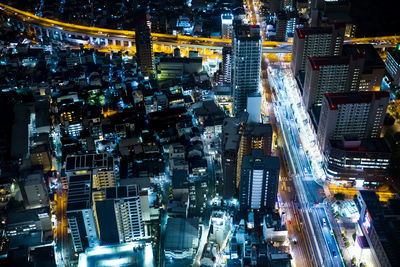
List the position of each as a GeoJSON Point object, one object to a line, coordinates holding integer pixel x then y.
{"type": "Point", "coordinates": [227, 65]}
{"type": "Point", "coordinates": [317, 42]}
{"type": "Point", "coordinates": [259, 181]}
{"type": "Point", "coordinates": [358, 114]}
{"type": "Point", "coordinates": [144, 49]}
{"type": "Point", "coordinates": [226, 25]}
{"type": "Point", "coordinates": [247, 49]}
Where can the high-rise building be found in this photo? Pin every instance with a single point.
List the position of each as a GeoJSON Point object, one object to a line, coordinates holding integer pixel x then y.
{"type": "Point", "coordinates": [144, 49]}
{"type": "Point", "coordinates": [246, 65]}
{"type": "Point", "coordinates": [393, 64]}
{"type": "Point", "coordinates": [374, 67]}
{"type": "Point", "coordinates": [226, 25]}
{"type": "Point", "coordinates": [230, 146]}
{"type": "Point", "coordinates": [356, 114]}
{"type": "Point", "coordinates": [118, 216]}
{"type": "Point", "coordinates": [316, 42]}
{"type": "Point", "coordinates": [259, 181]}
{"type": "Point", "coordinates": [333, 74]}
{"type": "Point", "coordinates": [227, 65]}
{"type": "Point", "coordinates": [253, 107]}
{"type": "Point", "coordinates": [79, 212]}
{"type": "Point", "coordinates": [255, 136]}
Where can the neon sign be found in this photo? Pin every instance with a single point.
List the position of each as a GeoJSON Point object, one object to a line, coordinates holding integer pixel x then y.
{"type": "Point", "coordinates": [367, 222]}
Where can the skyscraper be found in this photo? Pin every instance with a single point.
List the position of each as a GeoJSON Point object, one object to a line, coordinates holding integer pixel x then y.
{"type": "Point", "coordinates": [316, 42]}
{"type": "Point", "coordinates": [247, 49]}
{"type": "Point", "coordinates": [227, 65]}
{"type": "Point", "coordinates": [144, 49]}
{"type": "Point", "coordinates": [358, 114]}
{"type": "Point", "coordinates": [226, 25]}
{"type": "Point", "coordinates": [118, 216]}
{"type": "Point", "coordinates": [332, 74]}
{"type": "Point", "coordinates": [255, 136]}
{"type": "Point", "coordinates": [259, 181]}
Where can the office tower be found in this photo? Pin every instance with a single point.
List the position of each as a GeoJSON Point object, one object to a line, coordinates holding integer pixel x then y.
{"type": "Point", "coordinates": [100, 166]}
{"type": "Point", "coordinates": [79, 212]}
{"type": "Point", "coordinates": [227, 65]}
{"type": "Point", "coordinates": [230, 146]}
{"type": "Point", "coordinates": [255, 136]}
{"type": "Point", "coordinates": [393, 64]}
{"type": "Point", "coordinates": [285, 25]}
{"type": "Point", "coordinates": [259, 181]}
{"type": "Point", "coordinates": [356, 114]}
{"type": "Point", "coordinates": [119, 216]}
{"type": "Point", "coordinates": [144, 49]}
{"type": "Point", "coordinates": [380, 228]}
{"type": "Point", "coordinates": [317, 42]}
{"type": "Point", "coordinates": [253, 107]}
{"type": "Point", "coordinates": [226, 25]}
{"type": "Point", "coordinates": [247, 49]}
{"type": "Point", "coordinates": [374, 67]}
{"type": "Point", "coordinates": [333, 74]}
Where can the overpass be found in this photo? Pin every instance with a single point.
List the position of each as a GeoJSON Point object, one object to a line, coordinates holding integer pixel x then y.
{"type": "Point", "coordinates": [125, 39]}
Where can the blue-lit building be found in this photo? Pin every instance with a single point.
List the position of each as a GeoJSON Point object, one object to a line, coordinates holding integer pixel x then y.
{"type": "Point", "coordinates": [258, 181]}
{"type": "Point", "coordinates": [393, 64]}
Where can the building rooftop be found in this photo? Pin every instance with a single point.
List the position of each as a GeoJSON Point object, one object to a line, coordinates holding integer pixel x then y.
{"type": "Point", "coordinates": [395, 53]}
{"type": "Point", "coordinates": [316, 62]}
{"type": "Point", "coordinates": [335, 99]}
{"type": "Point", "coordinates": [122, 191]}
{"type": "Point", "coordinates": [181, 233]}
{"type": "Point", "coordinates": [89, 161]}
{"type": "Point", "coordinates": [372, 58]}
{"type": "Point", "coordinates": [24, 216]}
{"type": "Point", "coordinates": [79, 192]}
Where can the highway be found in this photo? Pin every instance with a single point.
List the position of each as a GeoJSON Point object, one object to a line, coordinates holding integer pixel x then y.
{"type": "Point", "coordinates": [325, 251]}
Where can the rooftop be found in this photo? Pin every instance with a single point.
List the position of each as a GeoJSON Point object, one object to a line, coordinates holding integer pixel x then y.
{"type": "Point", "coordinates": [181, 233]}
{"type": "Point", "coordinates": [335, 99]}
{"type": "Point", "coordinates": [372, 58]}
{"type": "Point", "coordinates": [364, 145]}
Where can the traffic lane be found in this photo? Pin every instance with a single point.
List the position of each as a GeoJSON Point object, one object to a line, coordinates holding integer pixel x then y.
{"type": "Point", "coordinates": [329, 237]}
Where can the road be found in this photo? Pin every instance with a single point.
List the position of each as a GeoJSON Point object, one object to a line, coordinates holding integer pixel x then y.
{"type": "Point", "coordinates": [300, 251]}
{"type": "Point", "coordinates": [62, 244]}
{"type": "Point", "coordinates": [324, 250]}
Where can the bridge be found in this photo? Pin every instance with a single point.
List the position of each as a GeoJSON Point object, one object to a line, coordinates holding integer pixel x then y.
{"type": "Point", "coordinates": [125, 39]}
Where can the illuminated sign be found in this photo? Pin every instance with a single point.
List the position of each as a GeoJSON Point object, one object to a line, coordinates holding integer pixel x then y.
{"type": "Point", "coordinates": [367, 222]}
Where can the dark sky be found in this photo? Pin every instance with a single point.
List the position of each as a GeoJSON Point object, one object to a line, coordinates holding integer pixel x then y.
{"type": "Point", "coordinates": [376, 17]}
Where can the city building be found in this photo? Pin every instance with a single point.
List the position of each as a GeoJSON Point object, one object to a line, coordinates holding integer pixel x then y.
{"type": "Point", "coordinates": [255, 136]}
{"type": "Point", "coordinates": [34, 190]}
{"type": "Point", "coordinates": [259, 181]}
{"type": "Point", "coordinates": [356, 114]}
{"type": "Point", "coordinates": [173, 67]}
{"type": "Point", "coordinates": [332, 74]}
{"type": "Point", "coordinates": [253, 107]}
{"type": "Point", "coordinates": [393, 64]}
{"type": "Point", "coordinates": [374, 67]}
{"type": "Point", "coordinates": [220, 224]}
{"type": "Point", "coordinates": [119, 216]}
{"type": "Point", "coordinates": [226, 65]}
{"type": "Point", "coordinates": [181, 239]}
{"type": "Point", "coordinates": [380, 227]}
{"type": "Point", "coordinates": [230, 146]}
{"type": "Point", "coordinates": [80, 216]}
{"type": "Point", "coordinates": [246, 65]}
{"type": "Point", "coordinates": [100, 166]}
{"type": "Point", "coordinates": [210, 117]}
{"type": "Point", "coordinates": [360, 162]}
{"type": "Point", "coordinates": [316, 42]}
{"type": "Point", "coordinates": [226, 25]}
{"type": "Point", "coordinates": [40, 156]}
{"type": "Point", "coordinates": [144, 49]}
